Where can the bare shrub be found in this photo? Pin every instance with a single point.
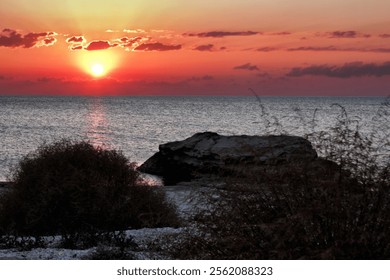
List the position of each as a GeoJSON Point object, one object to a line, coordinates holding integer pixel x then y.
{"type": "Point", "coordinates": [338, 210]}
{"type": "Point", "coordinates": [288, 216]}
{"type": "Point", "coordinates": [71, 187]}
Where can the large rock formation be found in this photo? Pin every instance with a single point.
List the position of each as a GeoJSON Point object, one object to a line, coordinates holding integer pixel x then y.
{"type": "Point", "coordinates": [210, 153]}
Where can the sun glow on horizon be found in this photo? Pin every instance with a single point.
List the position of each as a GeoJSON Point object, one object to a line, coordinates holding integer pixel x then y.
{"type": "Point", "coordinates": [97, 70]}
{"type": "Point", "coordinates": [98, 63]}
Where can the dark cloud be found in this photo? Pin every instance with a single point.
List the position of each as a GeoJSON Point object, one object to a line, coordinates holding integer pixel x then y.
{"type": "Point", "coordinates": [129, 42]}
{"type": "Point", "coordinates": [348, 70]}
{"type": "Point", "coordinates": [343, 34]}
{"type": "Point", "coordinates": [203, 48]}
{"type": "Point", "coordinates": [247, 66]}
{"type": "Point", "coordinates": [157, 47]}
{"type": "Point", "coordinates": [76, 42]}
{"type": "Point", "coordinates": [99, 45]}
{"type": "Point", "coordinates": [384, 36]}
{"type": "Point", "coordinates": [346, 34]}
{"type": "Point", "coordinates": [220, 34]}
{"type": "Point", "coordinates": [336, 49]}
{"type": "Point", "coordinates": [267, 49]}
{"type": "Point", "coordinates": [75, 39]}
{"type": "Point", "coordinates": [76, 47]}
{"type": "Point", "coordinates": [12, 39]}
{"type": "Point", "coordinates": [162, 85]}
{"type": "Point", "coordinates": [380, 50]}
{"type": "Point", "coordinates": [202, 78]}
{"type": "Point", "coordinates": [281, 33]}
{"type": "Point", "coordinates": [49, 41]}
{"type": "Point", "coordinates": [311, 48]}
{"type": "Point", "coordinates": [48, 80]}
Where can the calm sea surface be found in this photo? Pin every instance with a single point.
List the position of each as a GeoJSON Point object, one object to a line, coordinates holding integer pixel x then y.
{"type": "Point", "coordinates": [137, 125]}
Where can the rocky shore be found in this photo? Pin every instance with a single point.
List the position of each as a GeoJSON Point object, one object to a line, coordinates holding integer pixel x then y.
{"type": "Point", "coordinates": [241, 194]}
{"type": "Point", "coordinates": [208, 154]}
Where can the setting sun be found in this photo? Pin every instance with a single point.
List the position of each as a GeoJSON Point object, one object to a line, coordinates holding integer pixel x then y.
{"type": "Point", "coordinates": [97, 70]}
{"type": "Point", "coordinates": [97, 64]}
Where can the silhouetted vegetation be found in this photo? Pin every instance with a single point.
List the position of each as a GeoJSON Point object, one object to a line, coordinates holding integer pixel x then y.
{"type": "Point", "coordinates": [304, 212]}
{"type": "Point", "coordinates": [285, 215]}
{"type": "Point", "coordinates": [22, 243]}
{"type": "Point", "coordinates": [338, 209]}
{"type": "Point", "coordinates": [72, 188]}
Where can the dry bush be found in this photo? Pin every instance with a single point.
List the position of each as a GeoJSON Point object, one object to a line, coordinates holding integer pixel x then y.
{"type": "Point", "coordinates": [71, 187]}
{"type": "Point", "coordinates": [339, 211]}
{"type": "Point", "coordinates": [288, 216]}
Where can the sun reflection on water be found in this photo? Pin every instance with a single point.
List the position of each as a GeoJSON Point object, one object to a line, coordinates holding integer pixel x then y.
{"type": "Point", "coordinates": [98, 128]}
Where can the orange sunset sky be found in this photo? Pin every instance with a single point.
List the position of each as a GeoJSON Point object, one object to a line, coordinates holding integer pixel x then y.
{"type": "Point", "coordinates": [177, 47]}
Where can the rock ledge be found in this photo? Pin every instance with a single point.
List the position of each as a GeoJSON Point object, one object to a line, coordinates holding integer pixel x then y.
{"type": "Point", "coordinates": [209, 153]}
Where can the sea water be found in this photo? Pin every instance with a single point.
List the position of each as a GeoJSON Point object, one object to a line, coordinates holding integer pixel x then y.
{"type": "Point", "coordinates": [137, 125]}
